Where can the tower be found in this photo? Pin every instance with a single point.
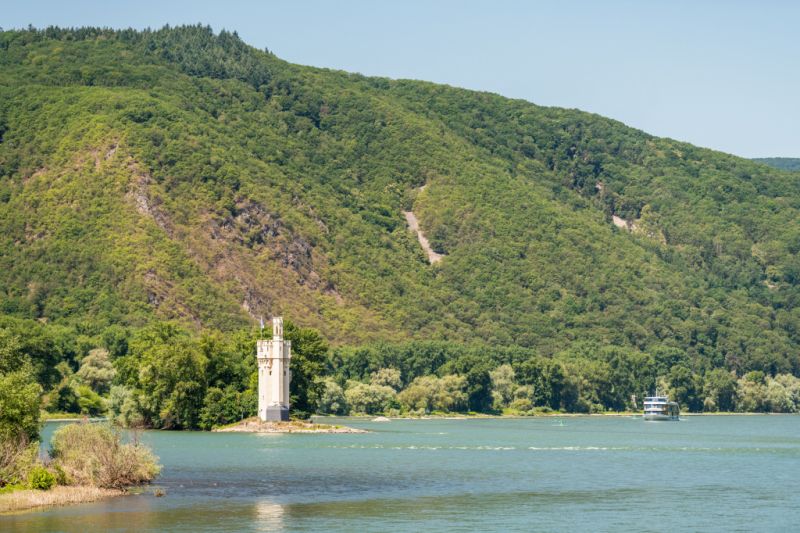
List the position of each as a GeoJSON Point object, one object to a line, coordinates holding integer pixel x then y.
{"type": "Point", "coordinates": [274, 375]}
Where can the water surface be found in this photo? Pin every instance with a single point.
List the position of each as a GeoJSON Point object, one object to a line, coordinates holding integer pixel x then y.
{"type": "Point", "coordinates": [726, 473]}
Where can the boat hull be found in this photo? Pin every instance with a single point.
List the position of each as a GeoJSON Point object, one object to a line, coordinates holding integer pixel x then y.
{"type": "Point", "coordinates": [661, 418]}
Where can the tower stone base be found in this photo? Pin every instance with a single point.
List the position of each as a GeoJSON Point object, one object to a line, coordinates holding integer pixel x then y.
{"type": "Point", "coordinates": [277, 413]}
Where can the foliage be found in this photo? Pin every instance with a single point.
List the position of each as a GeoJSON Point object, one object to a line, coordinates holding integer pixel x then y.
{"type": "Point", "coordinates": [783, 163]}
{"type": "Point", "coordinates": [40, 478]}
{"type": "Point", "coordinates": [89, 402]}
{"type": "Point", "coordinates": [331, 399]}
{"type": "Point", "coordinates": [93, 454]}
{"type": "Point", "coordinates": [19, 405]}
{"type": "Point", "coordinates": [389, 377]}
{"type": "Point", "coordinates": [221, 407]}
{"type": "Point", "coordinates": [503, 385]}
{"type": "Point", "coordinates": [169, 368]}
{"type": "Point", "coordinates": [160, 188]}
{"type": "Point", "coordinates": [429, 393]}
{"type": "Point", "coordinates": [368, 399]}
{"type": "Point", "coordinates": [18, 457]}
{"type": "Point", "coordinates": [96, 370]}
{"type": "Point", "coordinates": [720, 391]}
{"type": "Point", "coordinates": [308, 356]}
{"type": "Point", "coordinates": [125, 408]}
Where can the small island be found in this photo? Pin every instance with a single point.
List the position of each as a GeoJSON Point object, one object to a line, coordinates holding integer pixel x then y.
{"type": "Point", "coordinates": [256, 425]}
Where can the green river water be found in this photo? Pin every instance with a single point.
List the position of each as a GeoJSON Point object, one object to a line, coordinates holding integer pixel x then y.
{"type": "Point", "coordinates": [709, 473]}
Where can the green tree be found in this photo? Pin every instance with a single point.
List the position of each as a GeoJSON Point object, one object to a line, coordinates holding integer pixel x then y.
{"type": "Point", "coordinates": [503, 385]}
{"type": "Point", "coordinates": [96, 371]}
{"type": "Point", "coordinates": [20, 401]}
{"type": "Point", "coordinates": [226, 406]}
{"type": "Point", "coordinates": [387, 376]}
{"type": "Point", "coordinates": [720, 390]}
{"type": "Point", "coordinates": [125, 407]}
{"type": "Point", "coordinates": [309, 350]}
{"type": "Point", "coordinates": [751, 391]}
{"type": "Point", "coordinates": [89, 402]}
{"type": "Point", "coordinates": [368, 399]}
{"type": "Point", "coordinates": [331, 400]}
{"type": "Point", "coordinates": [685, 387]}
{"type": "Point", "coordinates": [170, 372]}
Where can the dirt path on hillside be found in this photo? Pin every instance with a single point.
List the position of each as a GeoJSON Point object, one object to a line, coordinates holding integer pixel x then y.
{"type": "Point", "coordinates": [413, 224]}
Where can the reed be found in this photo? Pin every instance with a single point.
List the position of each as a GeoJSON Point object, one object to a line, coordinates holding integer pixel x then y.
{"type": "Point", "coordinates": [27, 499]}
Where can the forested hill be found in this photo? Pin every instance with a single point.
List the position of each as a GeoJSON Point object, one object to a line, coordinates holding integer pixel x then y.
{"type": "Point", "coordinates": [179, 174]}
{"type": "Point", "coordinates": [783, 163]}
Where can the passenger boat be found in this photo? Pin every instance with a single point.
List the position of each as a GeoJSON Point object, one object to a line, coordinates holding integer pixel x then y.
{"type": "Point", "coordinates": [660, 408]}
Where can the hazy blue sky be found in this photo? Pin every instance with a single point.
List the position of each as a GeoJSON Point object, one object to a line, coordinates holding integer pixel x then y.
{"type": "Point", "coordinates": [722, 74]}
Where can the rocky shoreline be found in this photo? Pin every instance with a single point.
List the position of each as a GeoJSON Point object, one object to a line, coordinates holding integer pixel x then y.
{"type": "Point", "coordinates": [255, 425]}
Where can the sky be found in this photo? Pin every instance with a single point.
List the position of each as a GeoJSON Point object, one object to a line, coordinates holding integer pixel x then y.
{"type": "Point", "coordinates": [720, 74]}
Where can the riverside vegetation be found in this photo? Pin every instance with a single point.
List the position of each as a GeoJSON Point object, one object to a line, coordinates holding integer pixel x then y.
{"type": "Point", "coordinates": [85, 461]}
{"type": "Point", "coordinates": [159, 190]}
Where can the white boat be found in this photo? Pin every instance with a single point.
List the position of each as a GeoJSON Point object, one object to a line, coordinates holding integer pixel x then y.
{"type": "Point", "coordinates": [660, 408]}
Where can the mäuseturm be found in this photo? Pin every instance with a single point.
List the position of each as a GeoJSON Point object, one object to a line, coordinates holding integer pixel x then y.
{"type": "Point", "coordinates": [274, 375]}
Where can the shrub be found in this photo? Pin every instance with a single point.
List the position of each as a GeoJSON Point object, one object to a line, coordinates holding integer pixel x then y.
{"type": "Point", "coordinates": [40, 478]}
{"type": "Point", "coordinates": [93, 454]}
{"type": "Point", "coordinates": [17, 458]}
{"type": "Point", "coordinates": [61, 476]}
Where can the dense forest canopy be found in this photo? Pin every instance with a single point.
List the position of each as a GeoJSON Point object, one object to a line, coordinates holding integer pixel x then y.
{"type": "Point", "coordinates": [783, 163]}
{"type": "Point", "coordinates": [162, 189]}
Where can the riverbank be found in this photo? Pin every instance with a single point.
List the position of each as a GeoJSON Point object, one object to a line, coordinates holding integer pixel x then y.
{"type": "Point", "coordinates": [256, 425]}
{"type": "Point", "coordinates": [21, 500]}
{"type": "Point", "coordinates": [480, 416]}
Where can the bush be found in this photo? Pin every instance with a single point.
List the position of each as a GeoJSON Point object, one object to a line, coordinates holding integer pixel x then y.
{"type": "Point", "coordinates": [93, 454]}
{"type": "Point", "coordinates": [17, 458]}
{"type": "Point", "coordinates": [40, 478]}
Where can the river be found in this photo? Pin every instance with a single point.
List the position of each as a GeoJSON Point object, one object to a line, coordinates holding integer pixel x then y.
{"type": "Point", "coordinates": [709, 473]}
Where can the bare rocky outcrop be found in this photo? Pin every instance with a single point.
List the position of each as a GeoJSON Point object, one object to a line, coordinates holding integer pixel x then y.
{"type": "Point", "coordinates": [147, 203]}
{"type": "Point", "coordinates": [622, 223]}
{"type": "Point", "coordinates": [256, 228]}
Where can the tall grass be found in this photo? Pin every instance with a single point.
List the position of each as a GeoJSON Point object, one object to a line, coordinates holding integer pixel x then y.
{"type": "Point", "coordinates": [26, 499]}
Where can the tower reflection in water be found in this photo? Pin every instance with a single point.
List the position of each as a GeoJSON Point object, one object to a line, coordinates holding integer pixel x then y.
{"type": "Point", "coordinates": [269, 516]}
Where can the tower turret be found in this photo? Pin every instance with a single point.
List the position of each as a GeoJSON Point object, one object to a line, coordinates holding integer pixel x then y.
{"type": "Point", "coordinates": [274, 376]}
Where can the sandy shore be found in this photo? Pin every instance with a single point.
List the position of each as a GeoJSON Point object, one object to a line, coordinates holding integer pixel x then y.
{"type": "Point", "coordinates": [254, 425]}
{"type": "Point", "coordinates": [28, 499]}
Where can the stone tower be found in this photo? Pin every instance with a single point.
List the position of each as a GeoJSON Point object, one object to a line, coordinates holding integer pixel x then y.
{"type": "Point", "coordinates": [274, 375]}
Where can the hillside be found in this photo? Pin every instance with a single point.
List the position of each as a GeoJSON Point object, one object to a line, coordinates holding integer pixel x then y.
{"type": "Point", "coordinates": [178, 174]}
{"type": "Point", "coordinates": [783, 163]}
